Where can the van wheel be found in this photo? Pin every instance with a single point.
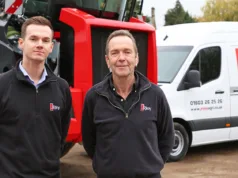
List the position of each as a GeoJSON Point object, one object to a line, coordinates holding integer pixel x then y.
{"type": "Point", "coordinates": [66, 148]}
{"type": "Point", "coordinates": [181, 143]}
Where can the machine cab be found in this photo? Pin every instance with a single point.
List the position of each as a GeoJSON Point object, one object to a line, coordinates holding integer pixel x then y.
{"type": "Point", "coordinates": [117, 10]}
{"type": "Point", "coordinates": [62, 59]}
{"type": "Point", "coordinates": [114, 9]}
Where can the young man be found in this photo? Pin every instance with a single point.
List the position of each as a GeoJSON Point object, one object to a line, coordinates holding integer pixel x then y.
{"type": "Point", "coordinates": [34, 109]}
{"type": "Point", "coordinates": [127, 126]}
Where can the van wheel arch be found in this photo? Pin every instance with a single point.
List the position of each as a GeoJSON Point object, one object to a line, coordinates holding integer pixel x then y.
{"type": "Point", "coordinates": [184, 136]}
{"type": "Point", "coordinates": [186, 125]}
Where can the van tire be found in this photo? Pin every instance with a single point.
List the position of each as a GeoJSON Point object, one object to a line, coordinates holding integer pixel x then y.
{"type": "Point", "coordinates": [181, 144]}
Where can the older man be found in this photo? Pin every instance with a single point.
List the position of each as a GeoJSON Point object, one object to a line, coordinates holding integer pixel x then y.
{"type": "Point", "coordinates": [127, 125]}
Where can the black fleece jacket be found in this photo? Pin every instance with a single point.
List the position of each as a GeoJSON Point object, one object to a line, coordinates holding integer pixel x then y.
{"type": "Point", "coordinates": [33, 125]}
{"type": "Point", "coordinates": [129, 143]}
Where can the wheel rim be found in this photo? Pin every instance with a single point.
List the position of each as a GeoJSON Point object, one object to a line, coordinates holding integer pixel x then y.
{"type": "Point", "coordinates": [179, 143]}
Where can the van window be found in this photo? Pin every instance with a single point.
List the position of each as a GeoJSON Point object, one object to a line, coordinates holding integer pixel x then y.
{"type": "Point", "coordinates": [208, 63]}
{"type": "Point", "coordinates": [170, 60]}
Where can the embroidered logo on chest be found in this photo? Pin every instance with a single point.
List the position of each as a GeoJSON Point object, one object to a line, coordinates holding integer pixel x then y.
{"type": "Point", "coordinates": [54, 107]}
{"type": "Point", "coordinates": [144, 108]}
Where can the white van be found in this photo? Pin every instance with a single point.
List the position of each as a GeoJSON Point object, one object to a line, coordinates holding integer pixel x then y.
{"type": "Point", "coordinates": [198, 72]}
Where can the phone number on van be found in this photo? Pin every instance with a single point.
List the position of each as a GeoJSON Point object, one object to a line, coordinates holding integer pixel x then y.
{"type": "Point", "coordinates": [205, 102]}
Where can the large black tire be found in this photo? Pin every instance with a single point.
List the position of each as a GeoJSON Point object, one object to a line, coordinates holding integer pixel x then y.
{"type": "Point", "coordinates": [66, 148]}
{"type": "Point", "coordinates": [181, 144]}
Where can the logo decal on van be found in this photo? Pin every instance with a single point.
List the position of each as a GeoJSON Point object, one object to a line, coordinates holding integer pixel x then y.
{"type": "Point", "coordinates": [237, 55]}
{"type": "Point", "coordinates": [144, 108]}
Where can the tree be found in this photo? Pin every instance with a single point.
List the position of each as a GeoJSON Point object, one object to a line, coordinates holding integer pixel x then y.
{"type": "Point", "coordinates": [178, 15]}
{"type": "Point", "coordinates": [219, 10]}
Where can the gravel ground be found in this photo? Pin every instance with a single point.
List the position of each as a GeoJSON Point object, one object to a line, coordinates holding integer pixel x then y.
{"type": "Point", "coordinates": [213, 161]}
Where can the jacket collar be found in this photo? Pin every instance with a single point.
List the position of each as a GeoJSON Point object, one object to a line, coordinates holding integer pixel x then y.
{"type": "Point", "coordinates": [21, 76]}
{"type": "Point", "coordinates": [141, 84]}
{"type": "Point", "coordinates": [135, 85]}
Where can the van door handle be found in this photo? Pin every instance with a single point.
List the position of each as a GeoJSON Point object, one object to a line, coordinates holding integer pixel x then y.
{"type": "Point", "coordinates": [219, 92]}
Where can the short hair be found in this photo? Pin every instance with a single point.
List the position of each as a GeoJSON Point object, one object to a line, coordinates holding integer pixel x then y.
{"type": "Point", "coordinates": [36, 20]}
{"type": "Point", "coordinates": [117, 33]}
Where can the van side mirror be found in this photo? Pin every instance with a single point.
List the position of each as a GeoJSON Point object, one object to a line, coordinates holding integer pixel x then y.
{"type": "Point", "coordinates": [193, 79]}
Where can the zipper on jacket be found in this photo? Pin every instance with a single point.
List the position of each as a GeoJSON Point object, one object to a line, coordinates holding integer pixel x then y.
{"type": "Point", "coordinates": [37, 92]}
{"type": "Point", "coordinates": [36, 106]}
{"type": "Point", "coordinates": [138, 98]}
{"type": "Point", "coordinates": [126, 113]}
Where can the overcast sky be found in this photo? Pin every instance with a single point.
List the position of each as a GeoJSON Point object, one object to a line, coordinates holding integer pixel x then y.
{"type": "Point", "coordinates": [161, 7]}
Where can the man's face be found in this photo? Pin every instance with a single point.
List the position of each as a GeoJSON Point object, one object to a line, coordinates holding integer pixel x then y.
{"type": "Point", "coordinates": [37, 43]}
{"type": "Point", "coordinates": [122, 58]}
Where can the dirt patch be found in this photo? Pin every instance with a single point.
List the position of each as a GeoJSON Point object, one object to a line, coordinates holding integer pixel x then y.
{"type": "Point", "coordinates": [213, 161]}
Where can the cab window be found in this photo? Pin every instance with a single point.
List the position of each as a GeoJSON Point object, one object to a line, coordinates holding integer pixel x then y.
{"type": "Point", "coordinates": [208, 63]}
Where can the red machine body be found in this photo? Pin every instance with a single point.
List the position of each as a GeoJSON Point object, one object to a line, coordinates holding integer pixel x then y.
{"type": "Point", "coordinates": [81, 33]}
{"type": "Point", "coordinates": [83, 79]}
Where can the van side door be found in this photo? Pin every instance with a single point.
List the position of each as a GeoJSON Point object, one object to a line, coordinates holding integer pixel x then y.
{"type": "Point", "coordinates": [207, 105]}
{"type": "Point", "coordinates": [232, 58]}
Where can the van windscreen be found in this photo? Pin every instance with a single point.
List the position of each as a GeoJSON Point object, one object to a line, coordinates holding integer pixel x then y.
{"type": "Point", "coordinates": [170, 60]}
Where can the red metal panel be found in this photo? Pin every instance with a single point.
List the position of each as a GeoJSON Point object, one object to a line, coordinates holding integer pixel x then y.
{"type": "Point", "coordinates": [74, 133]}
